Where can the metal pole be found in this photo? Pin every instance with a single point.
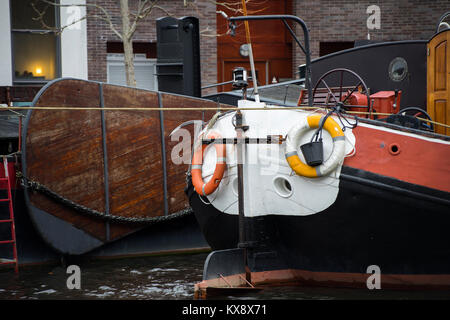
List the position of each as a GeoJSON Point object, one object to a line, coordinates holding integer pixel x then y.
{"type": "Point", "coordinates": [240, 172]}
{"type": "Point", "coordinates": [250, 53]}
{"type": "Point", "coordinates": [306, 40]}
{"type": "Point", "coordinates": [105, 161]}
{"type": "Point", "coordinates": [163, 155]}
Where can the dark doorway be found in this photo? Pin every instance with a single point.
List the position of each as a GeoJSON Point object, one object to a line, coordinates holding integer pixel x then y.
{"type": "Point", "coordinates": [330, 47]}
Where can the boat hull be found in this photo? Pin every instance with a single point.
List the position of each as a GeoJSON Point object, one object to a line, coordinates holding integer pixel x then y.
{"type": "Point", "coordinates": [180, 235]}
{"type": "Point", "coordinates": [390, 211]}
{"type": "Point", "coordinates": [116, 163]}
{"type": "Point", "coordinates": [367, 225]}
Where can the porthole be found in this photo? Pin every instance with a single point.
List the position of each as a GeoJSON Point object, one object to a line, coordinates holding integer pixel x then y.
{"type": "Point", "coordinates": [398, 69]}
{"type": "Point", "coordinates": [282, 186]}
{"type": "Point", "coordinates": [394, 149]}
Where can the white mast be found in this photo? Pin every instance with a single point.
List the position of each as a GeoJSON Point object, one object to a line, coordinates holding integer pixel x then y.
{"type": "Point", "coordinates": [250, 51]}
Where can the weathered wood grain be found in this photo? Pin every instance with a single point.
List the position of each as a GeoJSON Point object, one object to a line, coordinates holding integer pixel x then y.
{"type": "Point", "coordinates": [64, 151]}
{"type": "Point", "coordinates": [177, 172]}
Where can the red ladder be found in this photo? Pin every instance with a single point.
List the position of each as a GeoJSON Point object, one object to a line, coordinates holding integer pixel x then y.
{"type": "Point", "coordinates": [5, 183]}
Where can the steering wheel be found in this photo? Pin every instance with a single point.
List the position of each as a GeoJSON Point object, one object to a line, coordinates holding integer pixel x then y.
{"type": "Point", "coordinates": [409, 117]}
{"type": "Point", "coordinates": [418, 112]}
{"type": "Point", "coordinates": [340, 94]}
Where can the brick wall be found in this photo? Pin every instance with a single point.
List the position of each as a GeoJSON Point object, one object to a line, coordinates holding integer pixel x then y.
{"type": "Point", "coordinates": [99, 33]}
{"type": "Point", "coordinates": [346, 20]}
{"type": "Point", "coordinates": [327, 20]}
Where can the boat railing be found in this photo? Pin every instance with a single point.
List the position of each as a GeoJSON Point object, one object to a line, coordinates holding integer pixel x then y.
{"type": "Point", "coordinates": [305, 48]}
{"type": "Point", "coordinates": [442, 22]}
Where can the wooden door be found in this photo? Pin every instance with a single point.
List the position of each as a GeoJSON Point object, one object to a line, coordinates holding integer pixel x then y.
{"type": "Point", "coordinates": [271, 43]}
{"type": "Point", "coordinates": [438, 80]}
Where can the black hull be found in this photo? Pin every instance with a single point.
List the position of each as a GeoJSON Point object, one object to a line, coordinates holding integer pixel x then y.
{"type": "Point", "coordinates": [375, 220]}
{"type": "Point", "coordinates": [178, 235]}
{"type": "Point", "coordinates": [31, 248]}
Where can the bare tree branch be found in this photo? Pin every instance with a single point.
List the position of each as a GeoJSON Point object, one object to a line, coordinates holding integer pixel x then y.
{"type": "Point", "coordinates": [235, 6]}
{"type": "Point", "coordinates": [106, 16]}
{"type": "Point", "coordinates": [54, 29]}
{"type": "Point", "coordinates": [130, 20]}
{"type": "Point", "coordinates": [143, 12]}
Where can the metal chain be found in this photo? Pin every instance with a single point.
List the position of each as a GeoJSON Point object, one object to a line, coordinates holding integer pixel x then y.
{"type": "Point", "coordinates": [36, 186]}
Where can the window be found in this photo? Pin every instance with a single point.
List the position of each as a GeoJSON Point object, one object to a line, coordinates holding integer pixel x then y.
{"type": "Point", "coordinates": [331, 47]}
{"type": "Point", "coordinates": [35, 48]}
{"type": "Point", "coordinates": [144, 71]}
{"type": "Point", "coordinates": [398, 69]}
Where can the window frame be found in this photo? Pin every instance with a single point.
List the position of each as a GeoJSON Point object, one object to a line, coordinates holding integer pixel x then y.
{"type": "Point", "coordinates": [117, 59]}
{"type": "Point", "coordinates": [39, 31]}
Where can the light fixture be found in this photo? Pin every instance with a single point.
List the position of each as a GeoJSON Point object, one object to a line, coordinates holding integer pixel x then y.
{"type": "Point", "coordinates": [239, 78]}
{"type": "Point", "coordinates": [244, 50]}
{"type": "Point", "coordinates": [38, 71]}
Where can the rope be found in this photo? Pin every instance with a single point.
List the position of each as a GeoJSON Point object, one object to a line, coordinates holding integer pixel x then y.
{"type": "Point", "coordinates": [209, 109]}
{"type": "Point", "coordinates": [152, 109]}
{"type": "Point", "coordinates": [213, 120]}
{"type": "Point", "coordinates": [38, 187]}
{"type": "Point", "coordinates": [11, 110]}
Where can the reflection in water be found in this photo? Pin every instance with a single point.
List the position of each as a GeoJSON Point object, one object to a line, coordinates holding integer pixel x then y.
{"type": "Point", "coordinates": [168, 277]}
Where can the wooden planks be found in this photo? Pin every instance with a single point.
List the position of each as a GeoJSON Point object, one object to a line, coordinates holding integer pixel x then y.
{"type": "Point", "coordinates": [271, 43]}
{"type": "Point", "coordinates": [176, 173]}
{"type": "Point", "coordinates": [134, 155]}
{"type": "Point", "coordinates": [438, 80]}
{"type": "Point", "coordinates": [64, 152]}
{"type": "Point", "coordinates": [107, 160]}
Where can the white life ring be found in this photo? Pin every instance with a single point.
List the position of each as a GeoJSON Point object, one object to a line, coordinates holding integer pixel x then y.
{"type": "Point", "coordinates": [293, 140]}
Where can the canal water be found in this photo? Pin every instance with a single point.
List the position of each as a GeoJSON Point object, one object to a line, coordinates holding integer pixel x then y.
{"type": "Point", "coordinates": [170, 277]}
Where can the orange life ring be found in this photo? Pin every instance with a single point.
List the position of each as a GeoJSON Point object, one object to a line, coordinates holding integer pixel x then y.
{"type": "Point", "coordinates": [200, 186]}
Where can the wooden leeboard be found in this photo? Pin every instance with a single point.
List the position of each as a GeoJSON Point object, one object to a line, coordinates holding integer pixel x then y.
{"type": "Point", "coordinates": [64, 150]}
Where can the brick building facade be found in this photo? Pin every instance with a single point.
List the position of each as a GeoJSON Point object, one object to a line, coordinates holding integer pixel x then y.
{"type": "Point", "coordinates": [82, 51]}
{"type": "Point", "coordinates": [333, 25]}
{"type": "Point", "coordinates": [99, 33]}
{"type": "Point", "coordinates": [332, 21]}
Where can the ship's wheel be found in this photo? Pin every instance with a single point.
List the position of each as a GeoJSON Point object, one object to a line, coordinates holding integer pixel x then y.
{"type": "Point", "coordinates": [409, 117]}
{"type": "Point", "coordinates": [342, 88]}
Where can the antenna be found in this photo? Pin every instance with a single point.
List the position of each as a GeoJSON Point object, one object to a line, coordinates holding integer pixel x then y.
{"type": "Point", "coordinates": [250, 53]}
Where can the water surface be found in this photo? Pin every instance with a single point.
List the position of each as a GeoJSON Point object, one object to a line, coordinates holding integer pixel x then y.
{"type": "Point", "coordinates": [170, 277]}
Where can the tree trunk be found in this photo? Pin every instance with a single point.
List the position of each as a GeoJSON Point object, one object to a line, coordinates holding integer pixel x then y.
{"type": "Point", "coordinates": [127, 43]}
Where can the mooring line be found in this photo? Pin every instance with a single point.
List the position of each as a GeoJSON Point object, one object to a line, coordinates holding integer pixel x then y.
{"type": "Point", "coordinates": [299, 108]}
